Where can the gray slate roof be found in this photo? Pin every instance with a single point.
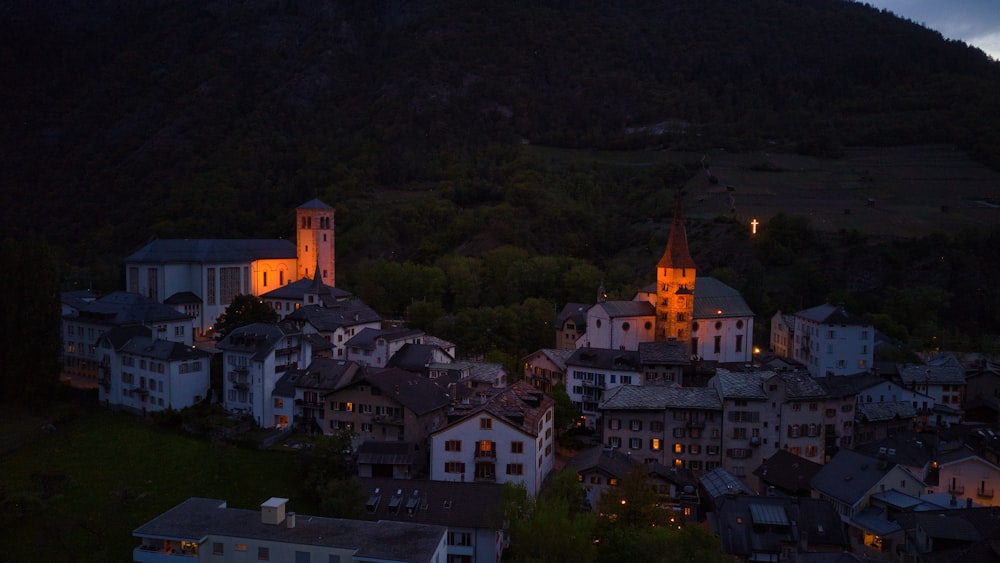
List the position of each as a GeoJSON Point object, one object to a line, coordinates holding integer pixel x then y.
{"type": "Point", "coordinates": [212, 250]}
{"type": "Point", "coordinates": [443, 503]}
{"type": "Point", "coordinates": [604, 460]}
{"type": "Point", "coordinates": [415, 392]}
{"type": "Point", "coordinates": [328, 374]}
{"type": "Point", "coordinates": [849, 475]}
{"type": "Point", "coordinates": [258, 338]}
{"type": "Point", "coordinates": [557, 356]}
{"type": "Point", "coordinates": [329, 318]}
{"type": "Point", "coordinates": [197, 518]}
{"type": "Point", "coordinates": [802, 386]}
{"type": "Point", "coordinates": [876, 412]}
{"type": "Point", "coordinates": [122, 308]}
{"type": "Point", "coordinates": [367, 337]}
{"type": "Point", "coordinates": [832, 315]}
{"type": "Point", "coordinates": [664, 353]}
{"type": "Point", "coordinates": [732, 385]}
{"type": "Point", "coordinates": [165, 350]}
{"type": "Point", "coordinates": [943, 370]}
{"type": "Point", "coordinates": [603, 359]}
{"type": "Point", "coordinates": [627, 308]}
{"type": "Point", "coordinates": [577, 312]}
{"type": "Point", "coordinates": [711, 296]}
{"type": "Point", "coordinates": [298, 289]}
{"type": "Point", "coordinates": [314, 203]}
{"type": "Point", "coordinates": [657, 397]}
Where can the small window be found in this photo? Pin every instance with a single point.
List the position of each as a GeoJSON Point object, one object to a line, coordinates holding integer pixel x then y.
{"type": "Point", "coordinates": [485, 423]}
{"type": "Point", "coordinates": [218, 548]}
{"type": "Point", "coordinates": [263, 554]}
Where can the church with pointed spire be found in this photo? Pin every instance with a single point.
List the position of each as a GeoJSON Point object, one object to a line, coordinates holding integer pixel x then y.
{"type": "Point", "coordinates": [708, 318]}
{"type": "Point", "coordinates": [200, 277]}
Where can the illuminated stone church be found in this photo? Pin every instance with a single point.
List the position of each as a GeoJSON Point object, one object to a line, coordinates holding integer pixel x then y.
{"type": "Point", "coordinates": [200, 277]}
{"type": "Point", "coordinates": [702, 312]}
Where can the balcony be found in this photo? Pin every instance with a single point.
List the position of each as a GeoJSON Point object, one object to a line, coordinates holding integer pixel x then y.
{"type": "Point", "coordinates": [696, 424]}
{"type": "Point", "coordinates": [386, 419]}
{"type": "Point", "coordinates": [309, 404]}
{"type": "Point", "coordinates": [486, 454]}
{"type": "Point", "coordinates": [956, 489]}
{"type": "Point", "coordinates": [147, 553]}
{"type": "Point", "coordinates": [983, 492]}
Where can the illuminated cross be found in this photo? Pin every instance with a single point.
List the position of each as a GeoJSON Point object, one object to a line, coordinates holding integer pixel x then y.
{"type": "Point", "coordinates": [753, 226]}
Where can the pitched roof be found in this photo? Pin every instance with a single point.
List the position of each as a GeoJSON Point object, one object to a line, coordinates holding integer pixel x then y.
{"type": "Point", "coordinates": [212, 250]}
{"type": "Point", "coordinates": [121, 308]}
{"type": "Point", "coordinates": [677, 255]}
{"type": "Point", "coordinates": [260, 339]}
{"type": "Point", "coordinates": [787, 471]}
{"type": "Point", "coordinates": [328, 374]}
{"type": "Point", "coordinates": [442, 503]}
{"type": "Point", "coordinates": [299, 288]}
{"type": "Point", "coordinates": [577, 312]}
{"type": "Point", "coordinates": [165, 350]}
{"type": "Point", "coordinates": [314, 203]}
{"type": "Point", "coordinates": [712, 296]}
{"type": "Point", "coordinates": [668, 352]}
{"type": "Point", "coordinates": [119, 335]}
{"type": "Point", "coordinates": [604, 460]}
{"type": "Point", "coordinates": [658, 397]}
{"type": "Point", "coordinates": [519, 405]}
{"type": "Point", "coordinates": [557, 356]}
{"type": "Point", "coordinates": [832, 315]}
{"type": "Point", "coordinates": [849, 475]}
{"type": "Point", "coordinates": [732, 385]}
{"type": "Point", "coordinates": [943, 370]}
{"type": "Point", "coordinates": [366, 338]}
{"type": "Point", "coordinates": [801, 386]}
{"type": "Point", "coordinates": [412, 357]}
{"type": "Point", "coordinates": [876, 412]}
{"type": "Point", "coordinates": [415, 392]}
{"type": "Point", "coordinates": [615, 309]}
{"type": "Point", "coordinates": [196, 518]}
{"type": "Point", "coordinates": [372, 452]}
{"type": "Point", "coordinates": [600, 358]}
{"type": "Point", "coordinates": [328, 318]}
{"type": "Point", "coordinates": [182, 298]}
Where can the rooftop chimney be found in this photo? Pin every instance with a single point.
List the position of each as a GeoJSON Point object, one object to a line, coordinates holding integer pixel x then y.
{"type": "Point", "coordinates": [272, 511]}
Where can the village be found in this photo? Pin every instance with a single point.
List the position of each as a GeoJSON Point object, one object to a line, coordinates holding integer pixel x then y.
{"type": "Point", "coordinates": [805, 450]}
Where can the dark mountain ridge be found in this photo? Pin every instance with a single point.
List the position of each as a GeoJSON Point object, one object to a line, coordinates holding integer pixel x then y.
{"type": "Point", "coordinates": [131, 120]}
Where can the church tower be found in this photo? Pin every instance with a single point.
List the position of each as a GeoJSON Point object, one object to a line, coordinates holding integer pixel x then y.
{"type": "Point", "coordinates": [314, 241]}
{"type": "Point", "coordinates": [675, 277]}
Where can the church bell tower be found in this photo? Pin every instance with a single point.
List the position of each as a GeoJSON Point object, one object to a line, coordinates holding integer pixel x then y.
{"type": "Point", "coordinates": [675, 280]}
{"type": "Point", "coordinates": [314, 241]}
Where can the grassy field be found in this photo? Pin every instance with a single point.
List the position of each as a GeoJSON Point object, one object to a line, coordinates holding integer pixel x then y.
{"type": "Point", "coordinates": [880, 191]}
{"type": "Point", "coordinates": [76, 490]}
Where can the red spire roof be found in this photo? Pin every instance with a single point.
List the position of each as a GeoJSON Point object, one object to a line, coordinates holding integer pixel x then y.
{"type": "Point", "coordinates": [677, 254]}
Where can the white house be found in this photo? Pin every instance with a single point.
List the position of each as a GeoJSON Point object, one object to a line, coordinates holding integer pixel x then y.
{"type": "Point", "coordinates": [204, 275]}
{"type": "Point", "coordinates": [826, 339]}
{"type": "Point", "coordinates": [592, 372]}
{"type": "Point", "coordinates": [337, 322]}
{"type": "Point", "coordinates": [147, 375]}
{"type": "Point", "coordinates": [374, 347]}
{"type": "Point", "coordinates": [510, 437]}
{"type": "Point", "coordinates": [86, 321]}
{"type": "Point", "coordinates": [966, 475]}
{"type": "Point", "coordinates": [254, 359]}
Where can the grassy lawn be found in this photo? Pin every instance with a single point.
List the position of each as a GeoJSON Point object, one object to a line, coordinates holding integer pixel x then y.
{"type": "Point", "coordinates": [75, 493]}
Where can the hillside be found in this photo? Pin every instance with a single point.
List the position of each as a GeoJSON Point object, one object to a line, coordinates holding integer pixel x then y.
{"type": "Point", "coordinates": [126, 121]}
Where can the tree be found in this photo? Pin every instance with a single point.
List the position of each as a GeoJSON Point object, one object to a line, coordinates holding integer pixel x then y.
{"type": "Point", "coordinates": [567, 413]}
{"type": "Point", "coordinates": [328, 476]}
{"type": "Point", "coordinates": [244, 310]}
{"type": "Point", "coordinates": [633, 527]}
{"type": "Point", "coordinates": [550, 527]}
{"type": "Point", "coordinates": [31, 320]}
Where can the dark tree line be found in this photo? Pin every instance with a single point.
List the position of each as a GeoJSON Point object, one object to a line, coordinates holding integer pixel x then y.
{"type": "Point", "coordinates": [31, 314]}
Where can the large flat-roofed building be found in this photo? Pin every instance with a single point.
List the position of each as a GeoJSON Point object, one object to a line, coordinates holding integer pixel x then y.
{"type": "Point", "coordinates": [207, 530]}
